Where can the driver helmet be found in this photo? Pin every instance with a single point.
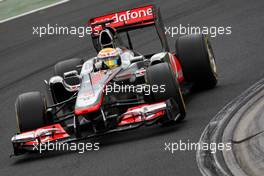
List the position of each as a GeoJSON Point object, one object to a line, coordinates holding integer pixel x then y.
{"type": "Point", "coordinates": [108, 58]}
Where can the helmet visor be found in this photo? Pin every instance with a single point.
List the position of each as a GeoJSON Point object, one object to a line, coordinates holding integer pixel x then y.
{"type": "Point", "coordinates": [111, 62]}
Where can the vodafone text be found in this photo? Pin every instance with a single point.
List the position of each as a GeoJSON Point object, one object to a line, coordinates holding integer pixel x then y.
{"type": "Point", "coordinates": [128, 15]}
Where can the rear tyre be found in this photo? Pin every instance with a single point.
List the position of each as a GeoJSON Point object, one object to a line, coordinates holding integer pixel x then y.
{"type": "Point", "coordinates": [197, 60]}
{"type": "Point", "coordinates": [31, 111]}
{"type": "Point", "coordinates": [68, 65]}
{"type": "Point", "coordinates": [162, 75]}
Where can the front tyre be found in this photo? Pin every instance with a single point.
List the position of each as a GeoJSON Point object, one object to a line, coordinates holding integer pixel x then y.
{"type": "Point", "coordinates": [31, 111]}
{"type": "Point", "coordinates": [162, 75]}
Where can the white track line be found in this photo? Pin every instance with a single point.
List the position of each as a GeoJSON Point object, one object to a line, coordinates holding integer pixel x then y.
{"type": "Point", "coordinates": [33, 11]}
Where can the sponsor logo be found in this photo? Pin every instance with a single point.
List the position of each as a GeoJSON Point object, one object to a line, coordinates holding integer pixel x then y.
{"type": "Point", "coordinates": [127, 17]}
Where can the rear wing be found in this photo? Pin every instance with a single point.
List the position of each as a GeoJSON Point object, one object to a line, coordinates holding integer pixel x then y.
{"type": "Point", "coordinates": [124, 20]}
{"type": "Point", "coordinates": [131, 19]}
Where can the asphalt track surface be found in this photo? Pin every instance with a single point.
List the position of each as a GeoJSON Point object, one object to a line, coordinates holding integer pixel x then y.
{"type": "Point", "coordinates": [26, 60]}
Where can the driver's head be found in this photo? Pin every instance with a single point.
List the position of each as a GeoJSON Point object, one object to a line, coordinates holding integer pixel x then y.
{"type": "Point", "coordinates": [108, 58]}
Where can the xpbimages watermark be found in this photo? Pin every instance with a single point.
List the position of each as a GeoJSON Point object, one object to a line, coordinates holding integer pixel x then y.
{"type": "Point", "coordinates": [58, 146]}
{"type": "Point", "coordinates": [83, 31]}
{"type": "Point", "coordinates": [80, 31]}
{"type": "Point", "coordinates": [212, 31]}
{"type": "Point", "coordinates": [173, 147]}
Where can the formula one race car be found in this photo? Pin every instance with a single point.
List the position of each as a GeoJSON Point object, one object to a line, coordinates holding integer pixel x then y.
{"type": "Point", "coordinates": [119, 89]}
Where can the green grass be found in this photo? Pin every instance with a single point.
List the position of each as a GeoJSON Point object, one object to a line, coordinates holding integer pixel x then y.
{"type": "Point", "coordinates": [10, 8]}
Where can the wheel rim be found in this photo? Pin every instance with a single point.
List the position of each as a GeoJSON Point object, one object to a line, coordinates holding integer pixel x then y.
{"type": "Point", "coordinates": [17, 118]}
{"type": "Point", "coordinates": [211, 57]}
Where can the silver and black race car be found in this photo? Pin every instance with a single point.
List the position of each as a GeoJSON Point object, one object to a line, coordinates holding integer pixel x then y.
{"type": "Point", "coordinates": [119, 89]}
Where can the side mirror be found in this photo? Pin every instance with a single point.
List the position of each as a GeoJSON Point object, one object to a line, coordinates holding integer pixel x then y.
{"type": "Point", "coordinates": [69, 74]}
{"type": "Point", "coordinates": [137, 59]}
{"type": "Point", "coordinates": [71, 81]}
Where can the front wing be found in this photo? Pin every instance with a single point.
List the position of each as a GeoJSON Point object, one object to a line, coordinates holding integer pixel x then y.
{"type": "Point", "coordinates": [135, 117]}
